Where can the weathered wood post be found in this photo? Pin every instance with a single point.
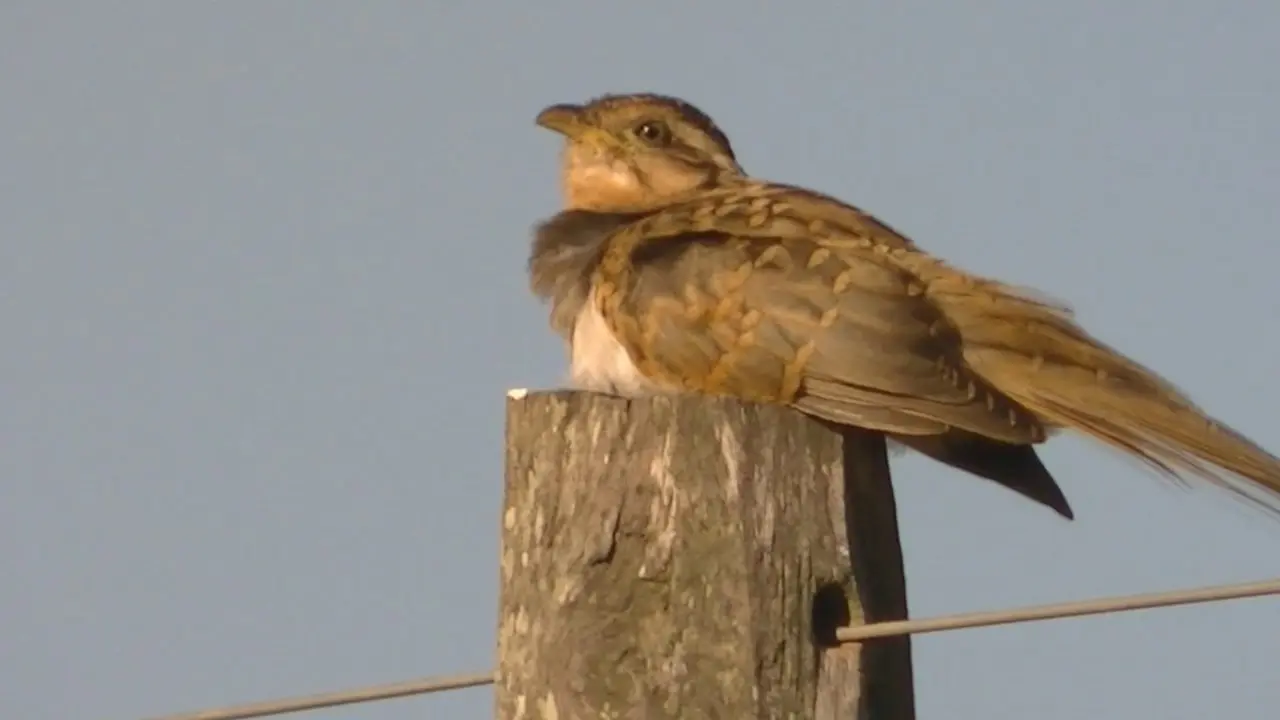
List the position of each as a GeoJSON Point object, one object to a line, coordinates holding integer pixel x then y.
{"type": "Point", "coordinates": [685, 557]}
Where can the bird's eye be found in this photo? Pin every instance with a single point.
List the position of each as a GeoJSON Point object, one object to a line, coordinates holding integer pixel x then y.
{"type": "Point", "coordinates": [654, 131]}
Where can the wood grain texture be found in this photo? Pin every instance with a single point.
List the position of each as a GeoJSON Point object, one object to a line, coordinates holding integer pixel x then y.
{"type": "Point", "coordinates": [689, 557]}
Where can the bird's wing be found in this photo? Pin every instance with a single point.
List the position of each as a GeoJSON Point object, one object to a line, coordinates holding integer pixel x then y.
{"type": "Point", "coordinates": [768, 293]}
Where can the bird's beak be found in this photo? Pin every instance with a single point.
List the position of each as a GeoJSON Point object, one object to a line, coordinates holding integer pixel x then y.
{"type": "Point", "coordinates": [565, 119]}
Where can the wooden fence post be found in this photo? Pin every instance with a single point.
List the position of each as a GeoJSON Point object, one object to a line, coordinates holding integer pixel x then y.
{"type": "Point", "coordinates": [690, 557]}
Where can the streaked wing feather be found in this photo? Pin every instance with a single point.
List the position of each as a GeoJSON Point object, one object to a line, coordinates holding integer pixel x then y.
{"type": "Point", "coordinates": [833, 329]}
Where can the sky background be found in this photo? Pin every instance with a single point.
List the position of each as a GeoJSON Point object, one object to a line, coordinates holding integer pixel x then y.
{"type": "Point", "coordinates": [262, 292]}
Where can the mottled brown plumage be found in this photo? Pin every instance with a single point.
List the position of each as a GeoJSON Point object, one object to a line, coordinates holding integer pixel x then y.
{"type": "Point", "coordinates": [671, 270]}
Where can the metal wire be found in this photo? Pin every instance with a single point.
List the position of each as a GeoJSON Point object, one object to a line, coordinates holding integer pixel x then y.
{"type": "Point", "coordinates": [1080, 608]}
{"type": "Point", "coordinates": [343, 697]}
{"type": "Point", "coordinates": [1100, 606]}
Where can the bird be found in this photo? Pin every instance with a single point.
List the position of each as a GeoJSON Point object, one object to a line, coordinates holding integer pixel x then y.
{"type": "Point", "coordinates": [670, 270]}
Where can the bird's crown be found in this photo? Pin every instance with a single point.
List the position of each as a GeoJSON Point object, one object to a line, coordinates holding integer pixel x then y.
{"type": "Point", "coordinates": [649, 117]}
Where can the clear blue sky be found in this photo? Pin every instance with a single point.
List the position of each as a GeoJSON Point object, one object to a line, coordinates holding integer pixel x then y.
{"type": "Point", "coordinates": [262, 291]}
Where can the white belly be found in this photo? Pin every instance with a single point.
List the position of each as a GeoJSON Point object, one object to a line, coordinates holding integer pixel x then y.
{"type": "Point", "coordinates": [598, 361]}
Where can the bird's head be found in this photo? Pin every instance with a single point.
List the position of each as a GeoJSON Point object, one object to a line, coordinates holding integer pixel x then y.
{"type": "Point", "coordinates": [633, 152]}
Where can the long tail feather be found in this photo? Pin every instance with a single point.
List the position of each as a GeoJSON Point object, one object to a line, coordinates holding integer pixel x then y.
{"type": "Point", "coordinates": [1038, 356]}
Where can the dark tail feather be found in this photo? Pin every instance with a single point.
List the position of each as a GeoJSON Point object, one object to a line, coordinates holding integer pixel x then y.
{"type": "Point", "coordinates": [1016, 467]}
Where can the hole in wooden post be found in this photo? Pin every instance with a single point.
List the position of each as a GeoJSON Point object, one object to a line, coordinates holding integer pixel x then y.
{"type": "Point", "coordinates": [830, 613]}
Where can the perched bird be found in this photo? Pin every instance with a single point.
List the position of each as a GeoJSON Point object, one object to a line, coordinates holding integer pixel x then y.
{"type": "Point", "coordinates": [670, 270]}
